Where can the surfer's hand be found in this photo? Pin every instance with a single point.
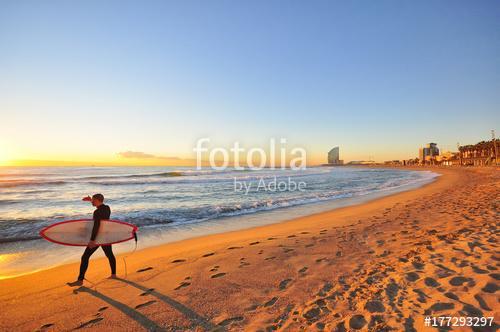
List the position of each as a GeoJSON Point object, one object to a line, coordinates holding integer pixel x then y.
{"type": "Point", "coordinates": [87, 199]}
{"type": "Point", "coordinates": [92, 244]}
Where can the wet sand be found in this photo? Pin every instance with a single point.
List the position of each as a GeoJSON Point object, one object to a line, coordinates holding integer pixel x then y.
{"type": "Point", "coordinates": [382, 265]}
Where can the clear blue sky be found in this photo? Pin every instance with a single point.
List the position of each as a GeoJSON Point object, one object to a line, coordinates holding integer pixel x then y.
{"type": "Point", "coordinates": [378, 78]}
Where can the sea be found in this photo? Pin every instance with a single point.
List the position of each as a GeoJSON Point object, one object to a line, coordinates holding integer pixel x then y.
{"type": "Point", "coordinates": [172, 203]}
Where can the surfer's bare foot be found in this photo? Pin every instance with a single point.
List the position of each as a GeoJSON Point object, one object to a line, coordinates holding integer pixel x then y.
{"type": "Point", "coordinates": [75, 283]}
{"type": "Point", "coordinates": [113, 276]}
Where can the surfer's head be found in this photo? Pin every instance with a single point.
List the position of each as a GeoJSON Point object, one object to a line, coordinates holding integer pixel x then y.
{"type": "Point", "coordinates": [97, 199]}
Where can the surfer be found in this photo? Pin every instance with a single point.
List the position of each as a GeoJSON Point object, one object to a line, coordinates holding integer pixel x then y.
{"type": "Point", "coordinates": [102, 212]}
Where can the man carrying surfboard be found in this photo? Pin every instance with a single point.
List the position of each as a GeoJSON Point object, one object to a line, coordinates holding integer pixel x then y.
{"type": "Point", "coordinates": [102, 212]}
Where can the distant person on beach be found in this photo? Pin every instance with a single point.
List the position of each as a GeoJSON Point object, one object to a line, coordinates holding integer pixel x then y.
{"type": "Point", "coordinates": [102, 212]}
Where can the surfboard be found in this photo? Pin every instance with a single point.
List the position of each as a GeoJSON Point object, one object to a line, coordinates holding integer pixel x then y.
{"type": "Point", "coordinates": [78, 232]}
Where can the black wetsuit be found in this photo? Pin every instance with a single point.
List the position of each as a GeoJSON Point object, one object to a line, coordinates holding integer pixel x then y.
{"type": "Point", "coordinates": [103, 212]}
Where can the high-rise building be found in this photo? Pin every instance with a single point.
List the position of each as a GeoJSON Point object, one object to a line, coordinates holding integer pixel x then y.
{"type": "Point", "coordinates": [334, 157]}
{"type": "Point", "coordinates": [428, 153]}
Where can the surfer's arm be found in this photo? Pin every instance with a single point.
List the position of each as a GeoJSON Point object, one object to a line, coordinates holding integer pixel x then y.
{"type": "Point", "coordinates": [95, 229]}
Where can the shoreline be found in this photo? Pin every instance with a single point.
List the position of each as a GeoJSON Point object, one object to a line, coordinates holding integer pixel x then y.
{"type": "Point", "coordinates": [210, 268]}
{"type": "Point", "coordinates": [242, 222]}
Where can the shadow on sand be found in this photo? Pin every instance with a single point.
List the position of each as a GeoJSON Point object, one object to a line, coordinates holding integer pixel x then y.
{"type": "Point", "coordinates": [132, 313]}
{"type": "Point", "coordinates": [196, 319]}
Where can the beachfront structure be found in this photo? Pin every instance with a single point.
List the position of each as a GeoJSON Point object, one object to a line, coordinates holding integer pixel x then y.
{"type": "Point", "coordinates": [428, 154]}
{"type": "Point", "coordinates": [393, 162]}
{"type": "Point", "coordinates": [362, 162]}
{"type": "Point", "coordinates": [448, 158]}
{"type": "Point", "coordinates": [411, 162]}
{"type": "Point", "coordinates": [481, 154]}
{"type": "Point", "coordinates": [334, 157]}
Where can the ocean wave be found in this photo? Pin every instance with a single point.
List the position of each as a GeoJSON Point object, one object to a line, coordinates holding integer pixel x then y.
{"type": "Point", "coordinates": [198, 199]}
{"type": "Point", "coordinates": [214, 178]}
{"type": "Point", "coordinates": [19, 239]}
{"type": "Point", "coordinates": [132, 176]}
{"type": "Point", "coordinates": [24, 183]}
{"type": "Point", "coordinates": [9, 201]}
{"type": "Point", "coordinates": [176, 173]}
{"type": "Point", "coordinates": [21, 174]}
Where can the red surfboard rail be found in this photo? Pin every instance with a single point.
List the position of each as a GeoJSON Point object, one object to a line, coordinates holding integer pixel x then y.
{"type": "Point", "coordinates": [133, 231]}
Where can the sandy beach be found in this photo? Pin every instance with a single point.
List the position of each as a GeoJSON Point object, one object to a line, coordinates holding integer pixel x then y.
{"type": "Point", "coordinates": [382, 265]}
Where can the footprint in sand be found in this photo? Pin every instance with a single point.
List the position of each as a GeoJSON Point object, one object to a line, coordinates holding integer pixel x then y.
{"type": "Point", "coordinates": [325, 289]}
{"type": "Point", "coordinates": [309, 245]}
{"type": "Point", "coordinates": [271, 238]}
{"type": "Point", "coordinates": [412, 276]}
{"type": "Point", "coordinates": [479, 270]}
{"type": "Point", "coordinates": [495, 276]}
{"type": "Point", "coordinates": [439, 306]}
{"type": "Point", "coordinates": [482, 302]}
{"type": "Point", "coordinates": [228, 321]}
{"type": "Point", "coordinates": [218, 275]}
{"type": "Point", "coordinates": [291, 236]}
{"type": "Point", "coordinates": [145, 269]}
{"type": "Point", "coordinates": [143, 294]}
{"type": "Point", "coordinates": [471, 311]}
{"type": "Point", "coordinates": [232, 248]}
{"type": "Point", "coordinates": [284, 283]}
{"type": "Point", "coordinates": [312, 314]}
{"type": "Point", "coordinates": [385, 253]}
{"type": "Point", "coordinates": [431, 282]}
{"type": "Point", "coordinates": [252, 307]}
{"type": "Point", "coordinates": [209, 254]}
{"type": "Point", "coordinates": [374, 306]}
{"type": "Point", "coordinates": [145, 304]}
{"type": "Point", "coordinates": [303, 270]}
{"type": "Point", "coordinates": [101, 309]}
{"type": "Point", "coordinates": [45, 326]}
{"type": "Point", "coordinates": [418, 265]}
{"type": "Point", "coordinates": [178, 260]}
{"type": "Point", "coordinates": [182, 285]}
{"type": "Point", "coordinates": [452, 296]}
{"type": "Point", "coordinates": [458, 281]}
{"type": "Point", "coordinates": [254, 243]}
{"type": "Point", "coordinates": [357, 322]}
{"type": "Point", "coordinates": [270, 258]}
{"type": "Point", "coordinates": [490, 288]}
{"type": "Point", "coordinates": [271, 302]}
{"type": "Point", "coordinates": [90, 322]}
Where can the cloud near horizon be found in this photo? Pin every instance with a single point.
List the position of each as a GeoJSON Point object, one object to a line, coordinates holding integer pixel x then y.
{"type": "Point", "coordinates": [143, 155]}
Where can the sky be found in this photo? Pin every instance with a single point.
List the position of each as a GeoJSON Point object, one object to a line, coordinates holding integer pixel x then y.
{"type": "Point", "coordinates": [139, 82]}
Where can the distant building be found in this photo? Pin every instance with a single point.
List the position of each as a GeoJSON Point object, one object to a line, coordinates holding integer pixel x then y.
{"type": "Point", "coordinates": [428, 154]}
{"type": "Point", "coordinates": [334, 157]}
{"type": "Point", "coordinates": [448, 158]}
{"type": "Point", "coordinates": [362, 162]}
{"type": "Point", "coordinates": [393, 163]}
